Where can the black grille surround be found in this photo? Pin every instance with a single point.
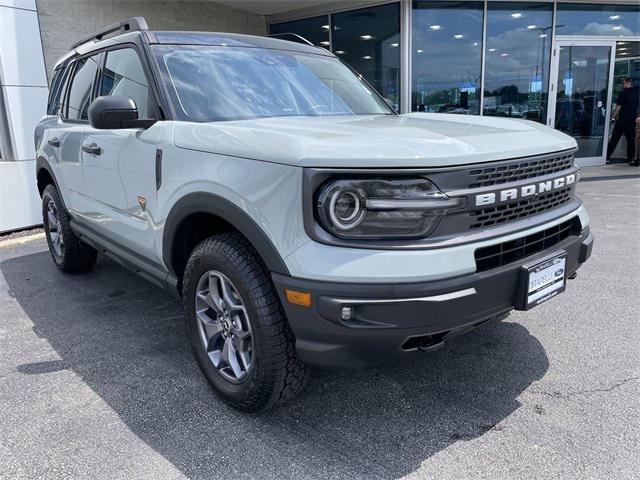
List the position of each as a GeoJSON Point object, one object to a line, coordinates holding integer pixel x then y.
{"type": "Point", "coordinates": [519, 170]}
{"type": "Point", "coordinates": [495, 256]}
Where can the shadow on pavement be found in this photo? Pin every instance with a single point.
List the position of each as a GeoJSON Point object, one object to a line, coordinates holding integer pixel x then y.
{"type": "Point", "coordinates": [126, 340]}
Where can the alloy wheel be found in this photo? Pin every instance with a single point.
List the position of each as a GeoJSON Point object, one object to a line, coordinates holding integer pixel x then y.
{"type": "Point", "coordinates": [55, 228]}
{"type": "Point", "coordinates": [224, 326]}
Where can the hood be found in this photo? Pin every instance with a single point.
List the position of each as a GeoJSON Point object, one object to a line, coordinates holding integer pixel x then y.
{"type": "Point", "coordinates": [374, 141]}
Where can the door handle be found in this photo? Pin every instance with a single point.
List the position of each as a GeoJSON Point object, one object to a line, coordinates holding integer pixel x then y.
{"type": "Point", "coordinates": [92, 148]}
{"type": "Point", "coordinates": [54, 142]}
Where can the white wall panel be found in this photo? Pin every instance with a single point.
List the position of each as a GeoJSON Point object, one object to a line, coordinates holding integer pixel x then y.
{"type": "Point", "coordinates": [26, 4]}
{"type": "Point", "coordinates": [21, 58]}
{"type": "Point", "coordinates": [19, 199]}
{"type": "Point", "coordinates": [25, 106]}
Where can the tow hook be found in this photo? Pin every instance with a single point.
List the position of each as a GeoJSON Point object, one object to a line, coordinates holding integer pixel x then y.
{"type": "Point", "coordinates": [573, 276]}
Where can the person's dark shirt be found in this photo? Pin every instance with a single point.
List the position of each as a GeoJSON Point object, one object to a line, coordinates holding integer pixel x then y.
{"type": "Point", "coordinates": [629, 102]}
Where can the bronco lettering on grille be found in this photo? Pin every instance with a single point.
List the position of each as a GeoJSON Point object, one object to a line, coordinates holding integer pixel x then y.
{"type": "Point", "coordinates": [524, 191]}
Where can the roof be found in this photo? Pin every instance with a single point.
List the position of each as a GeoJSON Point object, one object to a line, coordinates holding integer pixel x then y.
{"type": "Point", "coordinates": [136, 29]}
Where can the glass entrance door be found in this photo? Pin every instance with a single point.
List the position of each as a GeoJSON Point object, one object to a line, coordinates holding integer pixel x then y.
{"type": "Point", "coordinates": [580, 99]}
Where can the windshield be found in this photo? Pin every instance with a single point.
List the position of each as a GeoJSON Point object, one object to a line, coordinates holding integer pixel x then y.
{"type": "Point", "coordinates": [213, 83]}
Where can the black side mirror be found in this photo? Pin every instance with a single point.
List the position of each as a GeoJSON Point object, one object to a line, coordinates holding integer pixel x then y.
{"type": "Point", "coordinates": [116, 112]}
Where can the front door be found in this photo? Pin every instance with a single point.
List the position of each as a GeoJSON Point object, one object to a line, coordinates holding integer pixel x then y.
{"type": "Point", "coordinates": [580, 95]}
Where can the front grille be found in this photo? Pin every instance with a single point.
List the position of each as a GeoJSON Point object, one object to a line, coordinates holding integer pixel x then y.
{"type": "Point", "coordinates": [520, 170]}
{"type": "Point", "coordinates": [519, 209]}
{"type": "Point", "coordinates": [514, 250]}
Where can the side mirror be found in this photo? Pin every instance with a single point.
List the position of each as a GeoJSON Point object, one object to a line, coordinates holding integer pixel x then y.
{"type": "Point", "coordinates": [115, 112]}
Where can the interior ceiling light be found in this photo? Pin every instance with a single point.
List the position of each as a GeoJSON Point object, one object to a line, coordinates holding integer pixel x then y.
{"type": "Point", "coordinates": [458, 36]}
{"type": "Point", "coordinates": [624, 53]}
{"type": "Point", "coordinates": [614, 17]}
{"type": "Point", "coordinates": [419, 50]}
{"type": "Point", "coordinates": [542, 35]}
{"type": "Point", "coordinates": [325, 43]}
{"type": "Point", "coordinates": [394, 44]}
{"type": "Point", "coordinates": [340, 52]}
{"type": "Point", "coordinates": [475, 44]}
{"type": "Point", "coordinates": [326, 27]}
{"type": "Point", "coordinates": [435, 27]}
{"type": "Point", "coordinates": [492, 49]}
{"type": "Point", "coordinates": [367, 57]}
{"type": "Point", "coordinates": [516, 15]}
{"type": "Point", "coordinates": [504, 54]}
{"type": "Point", "coordinates": [366, 37]}
{"type": "Point", "coordinates": [531, 27]}
{"type": "Point", "coordinates": [617, 27]}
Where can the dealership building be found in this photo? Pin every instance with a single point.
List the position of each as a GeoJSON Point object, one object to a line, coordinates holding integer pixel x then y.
{"type": "Point", "coordinates": [556, 62]}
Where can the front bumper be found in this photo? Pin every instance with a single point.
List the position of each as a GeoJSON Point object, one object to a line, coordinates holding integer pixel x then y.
{"type": "Point", "coordinates": [394, 318]}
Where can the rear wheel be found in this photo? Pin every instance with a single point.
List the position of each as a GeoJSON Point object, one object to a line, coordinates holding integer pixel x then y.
{"type": "Point", "coordinates": [238, 329]}
{"type": "Point", "coordinates": [68, 252]}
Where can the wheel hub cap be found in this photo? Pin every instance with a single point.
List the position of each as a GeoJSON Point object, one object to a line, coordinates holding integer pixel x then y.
{"type": "Point", "coordinates": [224, 326]}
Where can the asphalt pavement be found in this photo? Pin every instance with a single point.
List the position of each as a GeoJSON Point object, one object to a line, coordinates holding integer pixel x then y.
{"type": "Point", "coordinates": [97, 380]}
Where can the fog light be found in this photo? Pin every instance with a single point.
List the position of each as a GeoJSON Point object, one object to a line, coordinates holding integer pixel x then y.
{"type": "Point", "coordinates": [346, 313]}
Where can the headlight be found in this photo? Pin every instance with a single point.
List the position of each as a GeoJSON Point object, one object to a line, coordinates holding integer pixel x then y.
{"type": "Point", "coordinates": [382, 208]}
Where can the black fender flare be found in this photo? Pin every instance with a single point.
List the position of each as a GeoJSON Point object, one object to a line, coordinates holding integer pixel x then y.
{"type": "Point", "coordinates": [203, 202]}
{"type": "Point", "coordinates": [43, 164]}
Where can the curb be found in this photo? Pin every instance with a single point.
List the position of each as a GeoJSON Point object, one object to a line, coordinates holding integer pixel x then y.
{"type": "Point", "coordinates": [12, 242]}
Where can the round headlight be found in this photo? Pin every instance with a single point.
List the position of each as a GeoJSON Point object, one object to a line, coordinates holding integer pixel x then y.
{"type": "Point", "coordinates": [346, 209]}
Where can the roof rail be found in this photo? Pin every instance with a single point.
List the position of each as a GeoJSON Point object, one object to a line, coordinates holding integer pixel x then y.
{"type": "Point", "coordinates": [129, 25]}
{"type": "Point", "coordinates": [292, 37]}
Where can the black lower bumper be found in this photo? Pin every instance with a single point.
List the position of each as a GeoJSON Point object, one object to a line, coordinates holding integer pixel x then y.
{"type": "Point", "coordinates": [383, 320]}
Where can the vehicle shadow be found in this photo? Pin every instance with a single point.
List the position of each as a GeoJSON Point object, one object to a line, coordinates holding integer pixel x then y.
{"type": "Point", "coordinates": [126, 340]}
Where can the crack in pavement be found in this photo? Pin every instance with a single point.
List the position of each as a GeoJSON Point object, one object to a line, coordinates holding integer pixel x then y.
{"type": "Point", "coordinates": [558, 394]}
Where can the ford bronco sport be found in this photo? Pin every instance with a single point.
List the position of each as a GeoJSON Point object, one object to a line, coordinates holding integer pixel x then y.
{"type": "Point", "coordinates": [300, 219]}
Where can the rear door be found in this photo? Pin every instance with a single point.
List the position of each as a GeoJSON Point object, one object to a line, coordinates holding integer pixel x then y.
{"type": "Point", "coordinates": [120, 165]}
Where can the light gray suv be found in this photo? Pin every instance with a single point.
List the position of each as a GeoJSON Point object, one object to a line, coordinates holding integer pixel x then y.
{"type": "Point", "coordinates": [300, 219]}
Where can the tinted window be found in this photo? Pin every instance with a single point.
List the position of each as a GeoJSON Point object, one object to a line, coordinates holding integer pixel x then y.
{"type": "Point", "coordinates": [447, 56]}
{"type": "Point", "coordinates": [517, 59]}
{"type": "Point", "coordinates": [80, 92]}
{"type": "Point", "coordinates": [315, 29]}
{"type": "Point", "coordinates": [368, 39]}
{"type": "Point", "coordinates": [54, 91]}
{"type": "Point", "coordinates": [598, 19]}
{"type": "Point", "coordinates": [123, 75]}
{"type": "Point", "coordinates": [218, 83]}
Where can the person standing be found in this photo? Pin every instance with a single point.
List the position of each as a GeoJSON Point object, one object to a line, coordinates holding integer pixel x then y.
{"type": "Point", "coordinates": [625, 114]}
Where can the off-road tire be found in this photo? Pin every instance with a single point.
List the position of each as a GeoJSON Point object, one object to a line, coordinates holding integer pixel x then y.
{"type": "Point", "coordinates": [76, 256]}
{"type": "Point", "coordinates": [276, 374]}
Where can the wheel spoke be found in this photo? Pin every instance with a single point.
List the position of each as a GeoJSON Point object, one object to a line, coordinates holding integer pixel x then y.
{"type": "Point", "coordinates": [51, 217]}
{"type": "Point", "coordinates": [232, 358]}
{"type": "Point", "coordinates": [229, 297]}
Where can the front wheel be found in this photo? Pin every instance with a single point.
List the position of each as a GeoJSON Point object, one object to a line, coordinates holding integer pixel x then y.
{"type": "Point", "coordinates": [68, 252]}
{"type": "Point", "coordinates": [238, 329]}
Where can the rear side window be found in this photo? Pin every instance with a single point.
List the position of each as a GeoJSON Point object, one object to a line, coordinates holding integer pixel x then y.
{"type": "Point", "coordinates": [58, 87]}
{"type": "Point", "coordinates": [81, 86]}
{"type": "Point", "coordinates": [123, 75]}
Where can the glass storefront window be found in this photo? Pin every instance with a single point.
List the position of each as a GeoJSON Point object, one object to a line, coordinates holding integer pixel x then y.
{"type": "Point", "coordinates": [446, 56]}
{"type": "Point", "coordinates": [517, 59]}
{"type": "Point", "coordinates": [315, 29]}
{"type": "Point", "coordinates": [598, 19]}
{"type": "Point", "coordinates": [368, 40]}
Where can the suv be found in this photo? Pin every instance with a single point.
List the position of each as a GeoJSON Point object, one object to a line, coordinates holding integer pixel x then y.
{"type": "Point", "coordinates": [300, 219]}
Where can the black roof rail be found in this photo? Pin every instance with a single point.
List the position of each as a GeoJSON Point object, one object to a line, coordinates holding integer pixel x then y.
{"type": "Point", "coordinates": [292, 37]}
{"type": "Point", "coordinates": [132, 24]}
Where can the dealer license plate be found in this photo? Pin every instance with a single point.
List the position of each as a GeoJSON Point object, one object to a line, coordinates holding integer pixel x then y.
{"type": "Point", "coordinates": [544, 281]}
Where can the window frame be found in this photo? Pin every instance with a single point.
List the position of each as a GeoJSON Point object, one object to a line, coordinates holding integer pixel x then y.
{"type": "Point", "coordinates": [155, 108]}
{"type": "Point", "coordinates": [65, 108]}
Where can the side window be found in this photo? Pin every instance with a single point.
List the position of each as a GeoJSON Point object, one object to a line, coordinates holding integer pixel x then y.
{"type": "Point", "coordinates": [58, 87]}
{"type": "Point", "coordinates": [123, 75]}
{"type": "Point", "coordinates": [80, 92]}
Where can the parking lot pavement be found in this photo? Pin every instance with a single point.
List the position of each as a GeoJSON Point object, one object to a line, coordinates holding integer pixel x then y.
{"type": "Point", "coordinates": [97, 381]}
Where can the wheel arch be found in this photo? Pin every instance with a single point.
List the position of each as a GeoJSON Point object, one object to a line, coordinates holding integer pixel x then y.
{"type": "Point", "coordinates": [192, 205]}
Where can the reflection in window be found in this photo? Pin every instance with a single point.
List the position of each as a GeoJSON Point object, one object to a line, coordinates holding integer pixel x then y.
{"type": "Point", "coordinates": [517, 59]}
{"type": "Point", "coordinates": [80, 92]}
{"type": "Point", "coordinates": [369, 40]}
{"type": "Point", "coordinates": [447, 48]}
{"type": "Point", "coordinates": [315, 29]}
{"type": "Point", "coordinates": [123, 75]}
{"type": "Point", "coordinates": [598, 19]}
